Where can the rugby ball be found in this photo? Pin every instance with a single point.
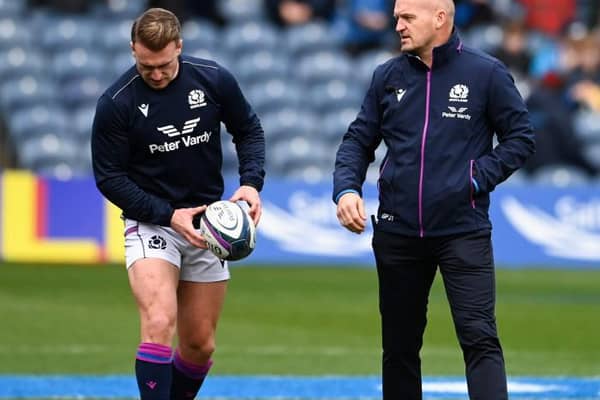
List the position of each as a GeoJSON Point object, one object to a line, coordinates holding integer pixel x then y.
{"type": "Point", "coordinates": [228, 230]}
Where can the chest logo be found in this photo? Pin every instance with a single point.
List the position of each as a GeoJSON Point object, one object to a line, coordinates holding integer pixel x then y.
{"type": "Point", "coordinates": [457, 113]}
{"type": "Point", "coordinates": [144, 108]}
{"type": "Point", "coordinates": [196, 99]}
{"type": "Point", "coordinates": [459, 93]}
{"type": "Point", "coordinates": [188, 127]}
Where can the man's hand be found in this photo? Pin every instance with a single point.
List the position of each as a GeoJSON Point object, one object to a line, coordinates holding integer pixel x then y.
{"type": "Point", "coordinates": [181, 222]}
{"type": "Point", "coordinates": [351, 212]}
{"type": "Point", "coordinates": [250, 196]}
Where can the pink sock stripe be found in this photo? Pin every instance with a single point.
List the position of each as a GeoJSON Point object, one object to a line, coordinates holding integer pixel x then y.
{"type": "Point", "coordinates": [155, 353]}
{"type": "Point", "coordinates": [191, 370]}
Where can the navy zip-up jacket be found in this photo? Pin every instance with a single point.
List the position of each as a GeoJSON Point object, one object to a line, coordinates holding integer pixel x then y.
{"type": "Point", "coordinates": [157, 150]}
{"type": "Point", "coordinates": [438, 125]}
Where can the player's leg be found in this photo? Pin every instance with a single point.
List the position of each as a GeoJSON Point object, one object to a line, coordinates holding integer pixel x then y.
{"type": "Point", "coordinates": [200, 299]}
{"type": "Point", "coordinates": [152, 260]}
{"type": "Point", "coordinates": [467, 266]}
{"type": "Point", "coordinates": [200, 305]}
{"type": "Point", "coordinates": [405, 276]}
{"type": "Point", "coordinates": [154, 285]}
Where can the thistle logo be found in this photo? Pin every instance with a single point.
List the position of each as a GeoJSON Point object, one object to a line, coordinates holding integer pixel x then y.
{"type": "Point", "coordinates": [196, 98]}
{"type": "Point", "coordinates": [459, 93]}
{"type": "Point", "coordinates": [188, 127]}
{"type": "Point", "coordinates": [157, 242]}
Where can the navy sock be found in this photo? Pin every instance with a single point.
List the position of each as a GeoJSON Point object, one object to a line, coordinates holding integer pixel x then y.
{"type": "Point", "coordinates": [153, 371]}
{"type": "Point", "coordinates": [187, 378]}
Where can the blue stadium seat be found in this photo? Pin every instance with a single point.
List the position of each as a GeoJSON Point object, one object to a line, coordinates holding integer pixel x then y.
{"type": "Point", "coordinates": [114, 37]}
{"type": "Point", "coordinates": [12, 7]}
{"type": "Point", "coordinates": [14, 32]}
{"type": "Point", "coordinates": [334, 125]}
{"type": "Point", "coordinates": [200, 33]}
{"type": "Point", "coordinates": [334, 95]}
{"type": "Point", "coordinates": [37, 121]}
{"type": "Point", "coordinates": [48, 150]}
{"type": "Point", "coordinates": [82, 91]}
{"type": "Point", "coordinates": [261, 65]}
{"type": "Point", "coordinates": [299, 151]}
{"type": "Point", "coordinates": [484, 37]}
{"type": "Point", "coordinates": [240, 11]}
{"type": "Point", "coordinates": [273, 94]}
{"type": "Point", "coordinates": [81, 120]}
{"type": "Point", "coordinates": [119, 9]}
{"type": "Point", "coordinates": [324, 66]}
{"type": "Point", "coordinates": [27, 91]}
{"type": "Point", "coordinates": [309, 38]}
{"type": "Point", "coordinates": [560, 176]}
{"type": "Point", "coordinates": [61, 33]}
{"type": "Point", "coordinates": [366, 63]}
{"type": "Point", "coordinates": [217, 55]}
{"type": "Point", "coordinates": [587, 126]}
{"type": "Point", "coordinates": [77, 63]}
{"type": "Point", "coordinates": [250, 37]}
{"type": "Point", "coordinates": [20, 61]}
{"type": "Point", "coordinates": [286, 122]}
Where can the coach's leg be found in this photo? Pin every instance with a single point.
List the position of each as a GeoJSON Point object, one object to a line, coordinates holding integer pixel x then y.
{"type": "Point", "coordinates": [467, 267]}
{"type": "Point", "coordinates": [405, 276]}
{"type": "Point", "coordinates": [154, 285]}
{"type": "Point", "coordinates": [200, 306]}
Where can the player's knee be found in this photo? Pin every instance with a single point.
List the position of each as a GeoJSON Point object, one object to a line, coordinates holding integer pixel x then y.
{"type": "Point", "coordinates": [477, 333]}
{"type": "Point", "coordinates": [202, 348]}
{"type": "Point", "coordinates": [159, 325]}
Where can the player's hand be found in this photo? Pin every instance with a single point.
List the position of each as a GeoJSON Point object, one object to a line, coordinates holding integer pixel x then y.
{"type": "Point", "coordinates": [249, 195]}
{"type": "Point", "coordinates": [351, 212]}
{"type": "Point", "coordinates": [182, 223]}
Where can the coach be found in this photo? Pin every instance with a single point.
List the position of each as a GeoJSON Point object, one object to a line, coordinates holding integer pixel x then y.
{"type": "Point", "coordinates": [436, 107]}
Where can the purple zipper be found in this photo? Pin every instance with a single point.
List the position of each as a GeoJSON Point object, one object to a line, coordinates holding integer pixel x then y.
{"type": "Point", "coordinates": [471, 183]}
{"type": "Point", "coordinates": [424, 138]}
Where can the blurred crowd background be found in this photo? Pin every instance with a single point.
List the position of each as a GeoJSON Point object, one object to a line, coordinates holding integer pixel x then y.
{"type": "Point", "coordinates": [303, 65]}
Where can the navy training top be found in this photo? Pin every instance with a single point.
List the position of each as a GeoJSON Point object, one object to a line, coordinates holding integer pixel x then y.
{"type": "Point", "coordinates": [157, 150]}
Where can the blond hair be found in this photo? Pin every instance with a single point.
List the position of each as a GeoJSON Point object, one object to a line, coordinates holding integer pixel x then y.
{"type": "Point", "coordinates": [156, 28]}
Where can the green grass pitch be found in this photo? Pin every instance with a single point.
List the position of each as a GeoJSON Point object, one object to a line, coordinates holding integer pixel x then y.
{"type": "Point", "coordinates": [299, 320]}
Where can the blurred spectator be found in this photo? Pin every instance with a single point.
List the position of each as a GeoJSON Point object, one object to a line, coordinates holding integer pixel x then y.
{"type": "Point", "coordinates": [186, 9]}
{"type": "Point", "coordinates": [297, 12]}
{"type": "Point", "coordinates": [556, 140]}
{"type": "Point", "coordinates": [473, 12]}
{"type": "Point", "coordinates": [549, 16]}
{"type": "Point", "coordinates": [514, 51]}
{"type": "Point", "coordinates": [365, 24]}
{"type": "Point", "coordinates": [69, 6]}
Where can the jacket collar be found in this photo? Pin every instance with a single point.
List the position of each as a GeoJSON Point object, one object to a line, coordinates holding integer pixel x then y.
{"type": "Point", "coordinates": [442, 54]}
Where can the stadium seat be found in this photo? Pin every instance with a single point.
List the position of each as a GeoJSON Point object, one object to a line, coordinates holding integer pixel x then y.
{"type": "Point", "coordinates": [82, 91]}
{"type": "Point", "coordinates": [19, 61]}
{"type": "Point", "coordinates": [47, 150]}
{"type": "Point", "coordinates": [284, 123]}
{"type": "Point", "coordinates": [82, 119]}
{"type": "Point", "coordinates": [27, 91]}
{"type": "Point", "coordinates": [200, 33]}
{"type": "Point", "coordinates": [323, 66]}
{"type": "Point", "coordinates": [298, 151]}
{"type": "Point", "coordinates": [273, 94]}
{"type": "Point", "coordinates": [120, 9]}
{"type": "Point", "coordinates": [336, 94]}
{"type": "Point", "coordinates": [484, 37]}
{"type": "Point", "coordinates": [587, 126]}
{"type": "Point", "coordinates": [114, 37]}
{"type": "Point", "coordinates": [14, 32]}
{"type": "Point", "coordinates": [334, 125]}
{"type": "Point", "coordinates": [366, 63]}
{"type": "Point", "coordinates": [37, 121]}
{"type": "Point", "coordinates": [64, 32]}
{"type": "Point", "coordinates": [311, 37]}
{"type": "Point", "coordinates": [240, 11]}
{"type": "Point", "coordinates": [560, 176]}
{"type": "Point", "coordinates": [250, 37]}
{"type": "Point", "coordinates": [77, 63]}
{"type": "Point", "coordinates": [261, 65]}
{"type": "Point", "coordinates": [10, 8]}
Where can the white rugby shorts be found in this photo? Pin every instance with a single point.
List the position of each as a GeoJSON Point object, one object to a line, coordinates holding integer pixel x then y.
{"type": "Point", "coordinates": [154, 241]}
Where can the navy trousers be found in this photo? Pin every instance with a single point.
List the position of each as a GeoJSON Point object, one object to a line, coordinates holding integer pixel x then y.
{"type": "Point", "coordinates": [406, 267]}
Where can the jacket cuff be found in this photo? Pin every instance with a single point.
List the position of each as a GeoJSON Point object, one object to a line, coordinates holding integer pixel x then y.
{"type": "Point", "coordinates": [343, 192]}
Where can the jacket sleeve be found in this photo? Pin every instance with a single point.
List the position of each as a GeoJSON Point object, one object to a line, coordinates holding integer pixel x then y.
{"type": "Point", "coordinates": [110, 156]}
{"type": "Point", "coordinates": [244, 125]}
{"type": "Point", "coordinates": [510, 119]}
{"type": "Point", "coordinates": [358, 146]}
